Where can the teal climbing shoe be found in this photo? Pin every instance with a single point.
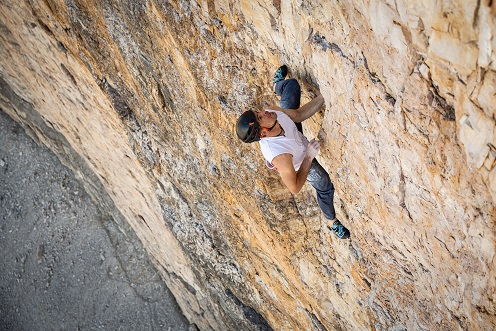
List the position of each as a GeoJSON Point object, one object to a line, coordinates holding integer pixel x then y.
{"type": "Point", "coordinates": [340, 230]}
{"type": "Point", "coordinates": [281, 73]}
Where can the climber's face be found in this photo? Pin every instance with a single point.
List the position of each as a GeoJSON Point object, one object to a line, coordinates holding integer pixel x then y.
{"type": "Point", "coordinates": [265, 118]}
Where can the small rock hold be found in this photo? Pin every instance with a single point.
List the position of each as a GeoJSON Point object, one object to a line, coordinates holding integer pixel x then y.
{"type": "Point", "coordinates": [2, 163]}
{"type": "Point", "coordinates": [424, 71]}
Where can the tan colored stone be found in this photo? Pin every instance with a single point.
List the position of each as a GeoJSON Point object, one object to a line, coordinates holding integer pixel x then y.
{"type": "Point", "coordinates": [417, 14]}
{"type": "Point", "coordinates": [424, 71]}
{"type": "Point", "coordinates": [462, 56]}
{"type": "Point", "coordinates": [456, 17]}
{"type": "Point", "coordinates": [382, 18]}
{"type": "Point", "coordinates": [491, 158]}
{"type": "Point", "coordinates": [492, 185]}
{"type": "Point", "coordinates": [475, 128]}
{"type": "Point", "coordinates": [487, 94]}
{"type": "Point", "coordinates": [485, 36]}
{"type": "Point", "coordinates": [442, 76]}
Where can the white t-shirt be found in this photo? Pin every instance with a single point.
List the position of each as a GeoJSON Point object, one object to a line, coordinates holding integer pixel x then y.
{"type": "Point", "coordinates": [293, 142]}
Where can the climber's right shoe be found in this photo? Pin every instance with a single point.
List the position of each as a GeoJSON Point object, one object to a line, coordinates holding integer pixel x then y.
{"type": "Point", "coordinates": [281, 73]}
{"type": "Point", "coordinates": [340, 230]}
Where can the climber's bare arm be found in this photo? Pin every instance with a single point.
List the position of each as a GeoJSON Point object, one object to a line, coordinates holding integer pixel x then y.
{"type": "Point", "coordinates": [304, 112]}
{"type": "Point", "coordinates": [294, 180]}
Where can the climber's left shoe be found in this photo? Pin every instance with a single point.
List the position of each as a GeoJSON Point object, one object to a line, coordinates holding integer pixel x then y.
{"type": "Point", "coordinates": [340, 230]}
{"type": "Point", "coordinates": [281, 73]}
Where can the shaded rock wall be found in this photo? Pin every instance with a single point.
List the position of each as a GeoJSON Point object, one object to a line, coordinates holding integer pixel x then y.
{"type": "Point", "coordinates": [140, 99]}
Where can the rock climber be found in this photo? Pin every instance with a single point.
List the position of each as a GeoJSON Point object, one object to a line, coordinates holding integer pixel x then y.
{"type": "Point", "coordinates": [286, 150]}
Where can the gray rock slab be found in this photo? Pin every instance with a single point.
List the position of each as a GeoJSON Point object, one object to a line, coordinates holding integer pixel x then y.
{"type": "Point", "coordinates": [64, 265]}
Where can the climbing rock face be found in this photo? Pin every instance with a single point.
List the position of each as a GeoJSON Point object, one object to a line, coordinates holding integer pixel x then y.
{"type": "Point", "coordinates": [140, 98]}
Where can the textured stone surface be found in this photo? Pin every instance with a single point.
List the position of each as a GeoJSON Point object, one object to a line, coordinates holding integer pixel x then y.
{"type": "Point", "coordinates": [140, 98]}
{"type": "Point", "coordinates": [65, 266]}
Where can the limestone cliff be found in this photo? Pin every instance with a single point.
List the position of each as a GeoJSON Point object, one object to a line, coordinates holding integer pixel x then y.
{"type": "Point", "coordinates": [140, 98]}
